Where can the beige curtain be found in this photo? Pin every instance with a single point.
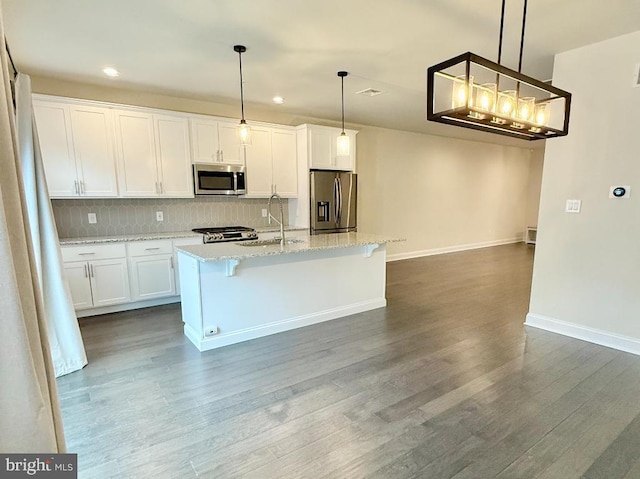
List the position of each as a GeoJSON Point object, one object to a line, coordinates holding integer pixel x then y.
{"type": "Point", "coordinates": [29, 412]}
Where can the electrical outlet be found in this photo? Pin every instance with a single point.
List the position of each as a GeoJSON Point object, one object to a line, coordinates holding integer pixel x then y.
{"type": "Point", "coordinates": [211, 331]}
{"type": "Point", "coordinates": [159, 216]}
{"type": "Point", "coordinates": [264, 212]}
{"type": "Point", "coordinates": [92, 218]}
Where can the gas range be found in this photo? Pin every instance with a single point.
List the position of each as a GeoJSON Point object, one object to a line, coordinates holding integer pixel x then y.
{"type": "Point", "coordinates": [222, 234]}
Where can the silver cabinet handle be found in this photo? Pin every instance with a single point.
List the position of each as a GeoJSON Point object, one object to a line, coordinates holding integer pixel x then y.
{"type": "Point", "coordinates": [171, 261]}
{"type": "Point", "coordinates": [82, 188]}
{"type": "Point", "coordinates": [75, 187]}
{"type": "Point", "coordinates": [86, 270]}
{"type": "Point", "coordinates": [151, 249]}
{"type": "Point", "coordinates": [222, 155]}
{"type": "Point", "coordinates": [91, 270]}
{"type": "Point", "coordinates": [85, 254]}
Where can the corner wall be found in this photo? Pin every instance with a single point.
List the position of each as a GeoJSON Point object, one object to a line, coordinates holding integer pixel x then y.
{"type": "Point", "coordinates": [586, 278]}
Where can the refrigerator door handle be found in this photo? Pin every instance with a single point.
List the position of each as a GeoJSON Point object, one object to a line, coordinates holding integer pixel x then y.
{"type": "Point", "coordinates": [336, 206]}
{"type": "Point", "coordinates": [339, 217]}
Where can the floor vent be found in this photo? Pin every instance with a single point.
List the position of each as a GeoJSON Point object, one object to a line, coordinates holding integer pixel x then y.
{"type": "Point", "coordinates": [370, 92]}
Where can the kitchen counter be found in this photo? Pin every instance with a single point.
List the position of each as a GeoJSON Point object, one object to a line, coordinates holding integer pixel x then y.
{"type": "Point", "coordinates": [301, 244]}
{"type": "Point", "coordinates": [232, 293]}
{"type": "Point", "coordinates": [126, 238]}
{"type": "Point", "coordinates": [152, 236]}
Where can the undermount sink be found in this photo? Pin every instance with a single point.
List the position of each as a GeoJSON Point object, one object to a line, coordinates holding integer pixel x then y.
{"type": "Point", "coordinates": [269, 242]}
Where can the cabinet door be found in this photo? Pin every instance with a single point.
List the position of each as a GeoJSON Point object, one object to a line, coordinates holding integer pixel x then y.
{"type": "Point", "coordinates": [230, 147]}
{"type": "Point", "coordinates": [172, 148]}
{"type": "Point", "coordinates": [109, 282]}
{"type": "Point", "coordinates": [93, 145]}
{"type": "Point", "coordinates": [77, 275]}
{"type": "Point", "coordinates": [56, 143]}
{"type": "Point", "coordinates": [137, 170]}
{"type": "Point", "coordinates": [322, 148]}
{"type": "Point", "coordinates": [204, 141]}
{"type": "Point", "coordinates": [285, 163]}
{"type": "Point", "coordinates": [152, 276]}
{"type": "Point", "coordinates": [259, 176]}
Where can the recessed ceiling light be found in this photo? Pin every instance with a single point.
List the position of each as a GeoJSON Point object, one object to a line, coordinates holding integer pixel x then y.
{"type": "Point", "coordinates": [111, 72]}
{"type": "Point", "coordinates": [278, 99]}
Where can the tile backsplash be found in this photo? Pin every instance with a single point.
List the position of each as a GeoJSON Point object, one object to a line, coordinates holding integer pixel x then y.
{"type": "Point", "coordinates": [132, 216]}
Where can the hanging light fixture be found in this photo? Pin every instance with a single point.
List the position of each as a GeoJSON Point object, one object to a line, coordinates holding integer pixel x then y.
{"type": "Point", "coordinates": [343, 145]}
{"type": "Point", "coordinates": [473, 92]}
{"type": "Point", "coordinates": [244, 130]}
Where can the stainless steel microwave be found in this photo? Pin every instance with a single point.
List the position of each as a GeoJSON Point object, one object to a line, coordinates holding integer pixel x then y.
{"type": "Point", "coordinates": [219, 179]}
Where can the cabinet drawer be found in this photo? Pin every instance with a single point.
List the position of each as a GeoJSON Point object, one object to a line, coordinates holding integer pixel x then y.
{"type": "Point", "coordinates": [147, 248]}
{"type": "Point", "coordinates": [91, 252]}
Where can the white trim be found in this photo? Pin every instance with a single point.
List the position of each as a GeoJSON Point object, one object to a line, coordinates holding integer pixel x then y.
{"type": "Point", "coordinates": [585, 333]}
{"type": "Point", "coordinates": [83, 313]}
{"type": "Point", "coordinates": [205, 344]}
{"type": "Point", "coordinates": [452, 249]}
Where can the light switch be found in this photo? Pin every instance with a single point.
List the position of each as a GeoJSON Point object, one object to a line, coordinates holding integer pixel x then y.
{"type": "Point", "coordinates": [159, 216]}
{"type": "Point", "coordinates": [573, 206]}
{"type": "Point", "coordinates": [92, 218]}
{"type": "Point", "coordinates": [264, 212]}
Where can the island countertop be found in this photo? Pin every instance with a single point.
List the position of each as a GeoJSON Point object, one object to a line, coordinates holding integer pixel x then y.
{"type": "Point", "coordinates": [300, 244]}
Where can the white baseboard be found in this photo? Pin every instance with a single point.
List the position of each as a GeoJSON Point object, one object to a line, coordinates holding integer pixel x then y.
{"type": "Point", "coordinates": [83, 313]}
{"type": "Point", "coordinates": [205, 344]}
{"type": "Point", "coordinates": [451, 249]}
{"type": "Point", "coordinates": [596, 336]}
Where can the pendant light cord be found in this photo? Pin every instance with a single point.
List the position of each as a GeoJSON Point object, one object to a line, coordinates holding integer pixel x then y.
{"type": "Point", "coordinates": [342, 83]}
{"type": "Point", "coordinates": [241, 87]}
{"type": "Point", "coordinates": [501, 31]}
{"type": "Point", "coordinates": [524, 19]}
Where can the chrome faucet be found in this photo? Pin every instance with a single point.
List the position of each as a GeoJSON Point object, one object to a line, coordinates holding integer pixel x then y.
{"type": "Point", "coordinates": [270, 216]}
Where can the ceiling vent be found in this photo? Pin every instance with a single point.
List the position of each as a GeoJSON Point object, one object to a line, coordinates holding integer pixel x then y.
{"type": "Point", "coordinates": [370, 92]}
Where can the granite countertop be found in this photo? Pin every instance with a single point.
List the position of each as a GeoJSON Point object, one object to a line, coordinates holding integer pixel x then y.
{"type": "Point", "coordinates": [126, 238]}
{"type": "Point", "coordinates": [152, 236]}
{"type": "Point", "coordinates": [226, 251]}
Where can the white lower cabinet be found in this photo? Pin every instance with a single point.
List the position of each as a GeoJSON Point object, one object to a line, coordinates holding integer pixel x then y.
{"type": "Point", "coordinates": [151, 269]}
{"type": "Point", "coordinates": [97, 275]}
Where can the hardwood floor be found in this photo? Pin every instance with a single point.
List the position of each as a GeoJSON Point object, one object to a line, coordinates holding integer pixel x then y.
{"type": "Point", "coordinates": [445, 382]}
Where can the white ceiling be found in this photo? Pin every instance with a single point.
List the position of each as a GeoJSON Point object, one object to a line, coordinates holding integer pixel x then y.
{"type": "Point", "coordinates": [295, 47]}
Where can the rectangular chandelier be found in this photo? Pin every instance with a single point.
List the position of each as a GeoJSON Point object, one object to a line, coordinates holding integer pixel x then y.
{"type": "Point", "coordinates": [473, 92]}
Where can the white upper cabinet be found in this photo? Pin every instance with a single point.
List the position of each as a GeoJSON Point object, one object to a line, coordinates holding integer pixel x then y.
{"type": "Point", "coordinates": [215, 141]}
{"type": "Point", "coordinates": [322, 144]}
{"type": "Point", "coordinates": [172, 151]}
{"type": "Point", "coordinates": [153, 155]}
{"type": "Point", "coordinates": [272, 162]}
{"type": "Point", "coordinates": [77, 149]}
{"type": "Point", "coordinates": [138, 175]}
{"type": "Point", "coordinates": [285, 163]}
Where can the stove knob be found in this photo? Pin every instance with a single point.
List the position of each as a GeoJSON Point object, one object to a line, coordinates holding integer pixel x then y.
{"type": "Point", "coordinates": [252, 234]}
{"type": "Point", "coordinates": [218, 236]}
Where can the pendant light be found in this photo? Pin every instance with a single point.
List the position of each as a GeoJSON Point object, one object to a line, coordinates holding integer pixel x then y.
{"type": "Point", "coordinates": [244, 130]}
{"type": "Point", "coordinates": [344, 143]}
{"type": "Point", "coordinates": [472, 92]}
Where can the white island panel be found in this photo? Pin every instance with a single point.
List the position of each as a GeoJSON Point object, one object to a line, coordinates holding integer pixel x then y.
{"type": "Point", "coordinates": [270, 293]}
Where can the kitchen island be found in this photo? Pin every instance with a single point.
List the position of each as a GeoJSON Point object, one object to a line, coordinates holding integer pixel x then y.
{"type": "Point", "coordinates": [234, 292]}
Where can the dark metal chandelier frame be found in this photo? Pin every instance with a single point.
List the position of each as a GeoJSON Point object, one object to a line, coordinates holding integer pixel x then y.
{"type": "Point", "coordinates": [470, 115]}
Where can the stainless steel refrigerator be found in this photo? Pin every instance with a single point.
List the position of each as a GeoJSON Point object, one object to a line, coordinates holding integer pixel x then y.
{"type": "Point", "coordinates": [333, 201]}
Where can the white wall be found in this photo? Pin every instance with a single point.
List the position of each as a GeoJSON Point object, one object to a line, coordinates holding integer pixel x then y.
{"type": "Point", "coordinates": [440, 193]}
{"type": "Point", "coordinates": [534, 184]}
{"type": "Point", "coordinates": [586, 279]}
